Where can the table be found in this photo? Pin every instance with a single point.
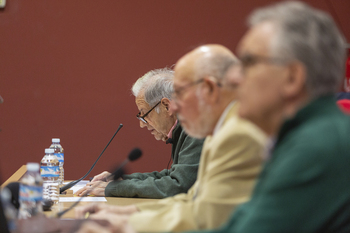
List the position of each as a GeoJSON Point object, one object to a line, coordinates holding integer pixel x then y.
{"type": "Point", "coordinates": [61, 206]}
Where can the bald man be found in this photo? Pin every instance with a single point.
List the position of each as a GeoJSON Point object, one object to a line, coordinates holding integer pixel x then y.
{"type": "Point", "coordinates": [231, 156]}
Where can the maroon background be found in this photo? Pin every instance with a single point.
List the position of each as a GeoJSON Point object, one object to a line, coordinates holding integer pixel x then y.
{"type": "Point", "coordinates": [66, 69]}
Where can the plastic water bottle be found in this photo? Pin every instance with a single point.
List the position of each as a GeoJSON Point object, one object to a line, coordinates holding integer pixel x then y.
{"type": "Point", "coordinates": [9, 209]}
{"type": "Point", "coordinates": [30, 192]}
{"type": "Point", "coordinates": [50, 173]}
{"type": "Point", "coordinates": [59, 152]}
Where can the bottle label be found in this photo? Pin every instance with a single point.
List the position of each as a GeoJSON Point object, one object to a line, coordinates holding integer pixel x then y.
{"type": "Point", "coordinates": [53, 171]}
{"type": "Point", "coordinates": [30, 193]}
{"type": "Point", "coordinates": [60, 157]}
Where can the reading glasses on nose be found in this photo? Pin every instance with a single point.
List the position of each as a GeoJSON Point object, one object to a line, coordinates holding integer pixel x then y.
{"type": "Point", "coordinates": [142, 118]}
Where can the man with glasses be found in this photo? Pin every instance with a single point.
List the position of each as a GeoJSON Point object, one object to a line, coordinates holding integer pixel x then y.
{"type": "Point", "coordinates": [293, 60]}
{"type": "Point", "coordinates": [232, 153]}
{"type": "Point", "coordinates": [152, 96]}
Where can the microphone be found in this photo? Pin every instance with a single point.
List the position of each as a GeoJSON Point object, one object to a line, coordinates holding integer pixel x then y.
{"type": "Point", "coordinates": [133, 155]}
{"type": "Point", "coordinates": [59, 214]}
{"type": "Point", "coordinates": [13, 187]}
{"type": "Point", "coordinates": [71, 184]}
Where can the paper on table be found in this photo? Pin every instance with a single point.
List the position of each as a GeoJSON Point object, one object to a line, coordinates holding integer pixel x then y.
{"type": "Point", "coordinates": [78, 186]}
{"type": "Point", "coordinates": [85, 199]}
{"type": "Point", "coordinates": [82, 182]}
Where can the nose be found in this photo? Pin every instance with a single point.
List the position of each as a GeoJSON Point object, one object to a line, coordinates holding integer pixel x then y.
{"type": "Point", "coordinates": [173, 107]}
{"type": "Point", "coordinates": [142, 124]}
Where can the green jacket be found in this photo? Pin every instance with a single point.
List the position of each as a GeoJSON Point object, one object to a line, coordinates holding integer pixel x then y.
{"type": "Point", "coordinates": [178, 179]}
{"type": "Point", "coordinates": [305, 185]}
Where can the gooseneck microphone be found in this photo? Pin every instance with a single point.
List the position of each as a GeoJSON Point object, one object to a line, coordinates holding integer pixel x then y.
{"type": "Point", "coordinates": [119, 172]}
{"type": "Point", "coordinates": [71, 184]}
{"type": "Point", "coordinates": [133, 155]}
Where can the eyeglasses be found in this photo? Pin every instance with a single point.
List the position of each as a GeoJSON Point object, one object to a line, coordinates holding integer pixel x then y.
{"type": "Point", "coordinates": [250, 60]}
{"type": "Point", "coordinates": [142, 118]}
{"type": "Point", "coordinates": [177, 93]}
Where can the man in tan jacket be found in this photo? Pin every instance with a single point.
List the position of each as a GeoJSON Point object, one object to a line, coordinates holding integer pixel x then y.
{"type": "Point", "coordinates": [231, 157]}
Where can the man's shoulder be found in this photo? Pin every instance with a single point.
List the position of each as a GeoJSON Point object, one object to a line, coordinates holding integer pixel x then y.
{"type": "Point", "coordinates": [323, 130]}
{"type": "Point", "coordinates": [236, 126]}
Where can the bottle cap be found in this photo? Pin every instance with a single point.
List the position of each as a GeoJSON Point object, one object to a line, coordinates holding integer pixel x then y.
{"type": "Point", "coordinates": [49, 151]}
{"type": "Point", "coordinates": [56, 140]}
{"type": "Point", "coordinates": [32, 167]}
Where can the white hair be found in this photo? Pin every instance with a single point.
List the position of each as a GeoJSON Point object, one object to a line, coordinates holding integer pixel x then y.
{"type": "Point", "coordinates": [309, 36]}
{"type": "Point", "coordinates": [154, 85]}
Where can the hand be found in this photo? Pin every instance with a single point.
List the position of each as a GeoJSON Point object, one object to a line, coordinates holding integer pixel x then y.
{"type": "Point", "coordinates": [92, 227]}
{"type": "Point", "coordinates": [101, 177]}
{"type": "Point", "coordinates": [94, 188]}
{"type": "Point", "coordinates": [119, 223]}
{"type": "Point", "coordinates": [80, 211]}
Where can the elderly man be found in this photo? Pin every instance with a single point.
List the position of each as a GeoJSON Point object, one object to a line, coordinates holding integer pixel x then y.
{"type": "Point", "coordinates": [231, 157]}
{"type": "Point", "coordinates": [292, 59]}
{"type": "Point", "coordinates": [153, 94]}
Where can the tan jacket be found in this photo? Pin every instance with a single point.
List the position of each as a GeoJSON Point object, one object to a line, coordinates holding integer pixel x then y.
{"type": "Point", "coordinates": [229, 164]}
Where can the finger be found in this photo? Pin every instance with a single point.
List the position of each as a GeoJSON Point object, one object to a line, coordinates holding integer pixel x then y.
{"type": "Point", "coordinates": [80, 211]}
{"type": "Point", "coordinates": [101, 176]}
{"type": "Point", "coordinates": [80, 191]}
{"type": "Point", "coordinates": [92, 227]}
{"type": "Point", "coordinates": [85, 192]}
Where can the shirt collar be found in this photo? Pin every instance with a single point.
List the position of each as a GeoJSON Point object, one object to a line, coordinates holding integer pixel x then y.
{"type": "Point", "coordinates": [223, 117]}
{"type": "Point", "coordinates": [171, 130]}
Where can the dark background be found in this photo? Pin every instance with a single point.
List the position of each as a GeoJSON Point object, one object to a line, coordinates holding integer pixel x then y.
{"type": "Point", "coordinates": [67, 66]}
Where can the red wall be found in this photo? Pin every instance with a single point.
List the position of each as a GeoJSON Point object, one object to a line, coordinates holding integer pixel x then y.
{"type": "Point", "coordinates": [66, 69]}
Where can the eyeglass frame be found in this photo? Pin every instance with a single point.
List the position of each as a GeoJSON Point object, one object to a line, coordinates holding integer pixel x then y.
{"type": "Point", "coordinates": [177, 92]}
{"type": "Point", "coordinates": [255, 59]}
{"type": "Point", "coordinates": [142, 118]}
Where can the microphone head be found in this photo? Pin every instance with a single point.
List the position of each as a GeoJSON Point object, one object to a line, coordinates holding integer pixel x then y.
{"type": "Point", "coordinates": [135, 154]}
{"type": "Point", "coordinates": [14, 189]}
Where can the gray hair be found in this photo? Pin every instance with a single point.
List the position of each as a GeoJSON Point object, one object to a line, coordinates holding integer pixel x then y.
{"type": "Point", "coordinates": [310, 36]}
{"type": "Point", "coordinates": [154, 85]}
{"type": "Point", "coordinates": [216, 65]}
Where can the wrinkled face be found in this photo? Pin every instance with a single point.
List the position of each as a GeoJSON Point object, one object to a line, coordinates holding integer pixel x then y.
{"type": "Point", "coordinates": [187, 106]}
{"type": "Point", "coordinates": [260, 92]}
{"type": "Point", "coordinates": [155, 122]}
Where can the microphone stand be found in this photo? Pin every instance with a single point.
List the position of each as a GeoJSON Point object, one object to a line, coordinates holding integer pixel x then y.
{"type": "Point", "coordinates": [71, 184]}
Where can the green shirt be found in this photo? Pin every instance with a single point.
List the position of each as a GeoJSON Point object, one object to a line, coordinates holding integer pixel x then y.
{"type": "Point", "coordinates": [182, 175]}
{"type": "Point", "coordinates": [305, 185]}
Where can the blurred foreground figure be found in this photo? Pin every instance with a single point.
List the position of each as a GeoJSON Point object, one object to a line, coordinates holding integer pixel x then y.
{"type": "Point", "coordinates": [231, 158]}
{"type": "Point", "coordinates": [293, 63]}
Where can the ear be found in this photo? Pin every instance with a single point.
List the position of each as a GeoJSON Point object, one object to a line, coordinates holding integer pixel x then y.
{"type": "Point", "coordinates": [210, 89]}
{"type": "Point", "coordinates": [166, 103]}
{"type": "Point", "coordinates": [295, 80]}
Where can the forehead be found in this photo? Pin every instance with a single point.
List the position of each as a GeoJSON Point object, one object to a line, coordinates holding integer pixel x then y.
{"type": "Point", "coordinates": [258, 39]}
{"type": "Point", "coordinates": [140, 102]}
{"type": "Point", "coordinates": [183, 71]}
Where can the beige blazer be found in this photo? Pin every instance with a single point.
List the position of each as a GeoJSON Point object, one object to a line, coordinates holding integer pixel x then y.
{"type": "Point", "coordinates": [229, 164]}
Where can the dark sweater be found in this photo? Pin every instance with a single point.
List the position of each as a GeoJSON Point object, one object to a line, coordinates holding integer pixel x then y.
{"type": "Point", "coordinates": [182, 175]}
{"type": "Point", "coordinates": [305, 185]}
